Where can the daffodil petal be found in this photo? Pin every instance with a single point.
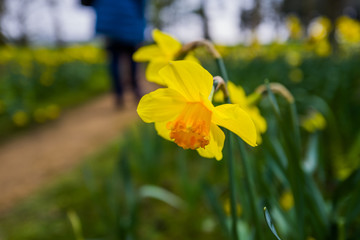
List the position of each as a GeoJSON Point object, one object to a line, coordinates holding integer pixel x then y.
{"type": "Point", "coordinates": [192, 58]}
{"type": "Point", "coordinates": [162, 130]}
{"type": "Point", "coordinates": [160, 105]}
{"type": "Point", "coordinates": [237, 94]}
{"type": "Point", "coordinates": [169, 45]}
{"type": "Point", "coordinates": [218, 97]}
{"type": "Point", "coordinates": [259, 121]}
{"type": "Point", "coordinates": [188, 78]}
{"type": "Point", "coordinates": [216, 144]}
{"type": "Point", "coordinates": [152, 71]}
{"type": "Point", "coordinates": [234, 118]}
{"type": "Point", "coordinates": [147, 53]}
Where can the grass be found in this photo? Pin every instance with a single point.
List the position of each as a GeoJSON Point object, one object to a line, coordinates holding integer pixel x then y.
{"type": "Point", "coordinates": [43, 215]}
{"type": "Point", "coordinates": [108, 192]}
{"type": "Point", "coordinates": [95, 85]}
{"type": "Point", "coordinates": [96, 192]}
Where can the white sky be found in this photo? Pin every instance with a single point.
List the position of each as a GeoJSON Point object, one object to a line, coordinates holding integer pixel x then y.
{"type": "Point", "coordinates": [77, 22]}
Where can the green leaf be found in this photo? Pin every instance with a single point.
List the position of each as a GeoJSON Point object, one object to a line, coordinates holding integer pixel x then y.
{"type": "Point", "coordinates": [270, 224]}
{"type": "Point", "coordinates": [346, 187]}
{"type": "Point", "coordinates": [273, 101]}
{"type": "Point", "coordinates": [216, 207]}
{"type": "Point", "coordinates": [311, 160]}
{"type": "Point", "coordinates": [161, 194]}
{"type": "Point", "coordinates": [295, 127]}
{"type": "Point", "coordinates": [316, 206]}
{"type": "Point", "coordinates": [75, 224]}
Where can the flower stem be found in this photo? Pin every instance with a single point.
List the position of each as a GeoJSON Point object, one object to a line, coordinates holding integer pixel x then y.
{"type": "Point", "coordinates": [231, 165]}
{"type": "Point", "coordinates": [232, 187]}
{"type": "Point", "coordinates": [250, 185]}
{"type": "Point", "coordinates": [221, 65]}
{"type": "Point", "coordinates": [201, 43]}
{"type": "Point", "coordinates": [295, 173]}
{"type": "Point", "coordinates": [231, 170]}
{"type": "Point", "coordinates": [245, 161]}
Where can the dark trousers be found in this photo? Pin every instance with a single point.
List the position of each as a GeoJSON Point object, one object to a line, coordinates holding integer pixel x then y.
{"type": "Point", "coordinates": [118, 51]}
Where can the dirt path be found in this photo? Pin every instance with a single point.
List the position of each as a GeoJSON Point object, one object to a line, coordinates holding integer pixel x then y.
{"type": "Point", "coordinates": [30, 160]}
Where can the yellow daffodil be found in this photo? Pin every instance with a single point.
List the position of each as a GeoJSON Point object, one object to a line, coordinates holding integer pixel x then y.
{"type": "Point", "coordinates": [294, 26]}
{"type": "Point", "coordinates": [20, 118]}
{"type": "Point", "coordinates": [165, 49]}
{"type": "Point", "coordinates": [184, 114]}
{"type": "Point", "coordinates": [319, 29]}
{"type": "Point", "coordinates": [227, 208]}
{"type": "Point", "coordinates": [287, 200]}
{"type": "Point", "coordinates": [293, 58]}
{"type": "Point", "coordinates": [347, 30]}
{"type": "Point", "coordinates": [296, 75]}
{"type": "Point", "coordinates": [238, 96]}
{"type": "Point", "coordinates": [313, 121]}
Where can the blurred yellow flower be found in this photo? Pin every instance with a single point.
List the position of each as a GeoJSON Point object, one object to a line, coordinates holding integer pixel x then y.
{"type": "Point", "coordinates": [6, 54]}
{"type": "Point", "coordinates": [274, 50]}
{"type": "Point", "coordinates": [52, 111]}
{"type": "Point", "coordinates": [313, 121]}
{"type": "Point", "coordinates": [323, 48]}
{"type": "Point", "coordinates": [223, 50]}
{"type": "Point", "coordinates": [238, 96]}
{"type": "Point", "coordinates": [55, 57]}
{"type": "Point", "coordinates": [20, 118]}
{"type": "Point", "coordinates": [286, 200]}
{"type": "Point", "coordinates": [46, 57]}
{"type": "Point", "coordinates": [294, 26]}
{"type": "Point", "coordinates": [227, 208]}
{"type": "Point", "coordinates": [293, 58]}
{"type": "Point", "coordinates": [343, 168]}
{"type": "Point", "coordinates": [184, 114]}
{"type": "Point", "coordinates": [165, 49]}
{"type": "Point", "coordinates": [347, 30]}
{"type": "Point", "coordinates": [296, 75]}
{"type": "Point", "coordinates": [319, 29]}
{"type": "Point", "coordinates": [25, 61]}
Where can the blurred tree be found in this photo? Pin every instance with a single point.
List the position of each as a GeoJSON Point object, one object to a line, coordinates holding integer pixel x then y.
{"type": "Point", "coordinates": [21, 16]}
{"type": "Point", "coordinates": [306, 10]}
{"type": "Point", "coordinates": [20, 13]}
{"type": "Point", "coordinates": [2, 11]}
{"type": "Point", "coordinates": [155, 12]}
{"type": "Point", "coordinates": [53, 4]}
{"type": "Point", "coordinates": [334, 9]}
{"type": "Point", "coordinates": [201, 11]}
{"type": "Point", "coordinates": [251, 18]}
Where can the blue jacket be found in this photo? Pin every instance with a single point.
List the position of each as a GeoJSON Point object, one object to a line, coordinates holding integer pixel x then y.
{"type": "Point", "coordinates": [121, 20]}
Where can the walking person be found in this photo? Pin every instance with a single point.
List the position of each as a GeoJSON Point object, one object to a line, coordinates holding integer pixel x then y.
{"type": "Point", "coordinates": [122, 23]}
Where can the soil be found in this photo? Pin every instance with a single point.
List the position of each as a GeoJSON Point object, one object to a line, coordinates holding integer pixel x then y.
{"type": "Point", "coordinates": [29, 161]}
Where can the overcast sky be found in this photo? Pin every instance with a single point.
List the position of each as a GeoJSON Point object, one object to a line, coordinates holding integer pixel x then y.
{"type": "Point", "coordinates": [77, 22]}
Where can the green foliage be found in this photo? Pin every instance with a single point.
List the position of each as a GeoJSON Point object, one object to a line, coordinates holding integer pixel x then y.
{"type": "Point", "coordinates": [36, 84]}
{"type": "Point", "coordinates": [131, 190]}
{"type": "Point", "coordinates": [148, 188]}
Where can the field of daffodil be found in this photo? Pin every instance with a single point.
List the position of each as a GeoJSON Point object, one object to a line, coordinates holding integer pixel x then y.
{"type": "Point", "coordinates": [36, 83]}
{"type": "Point", "coordinates": [245, 142]}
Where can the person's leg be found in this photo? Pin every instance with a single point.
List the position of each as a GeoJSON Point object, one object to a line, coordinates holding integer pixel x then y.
{"type": "Point", "coordinates": [134, 77]}
{"type": "Point", "coordinates": [114, 68]}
